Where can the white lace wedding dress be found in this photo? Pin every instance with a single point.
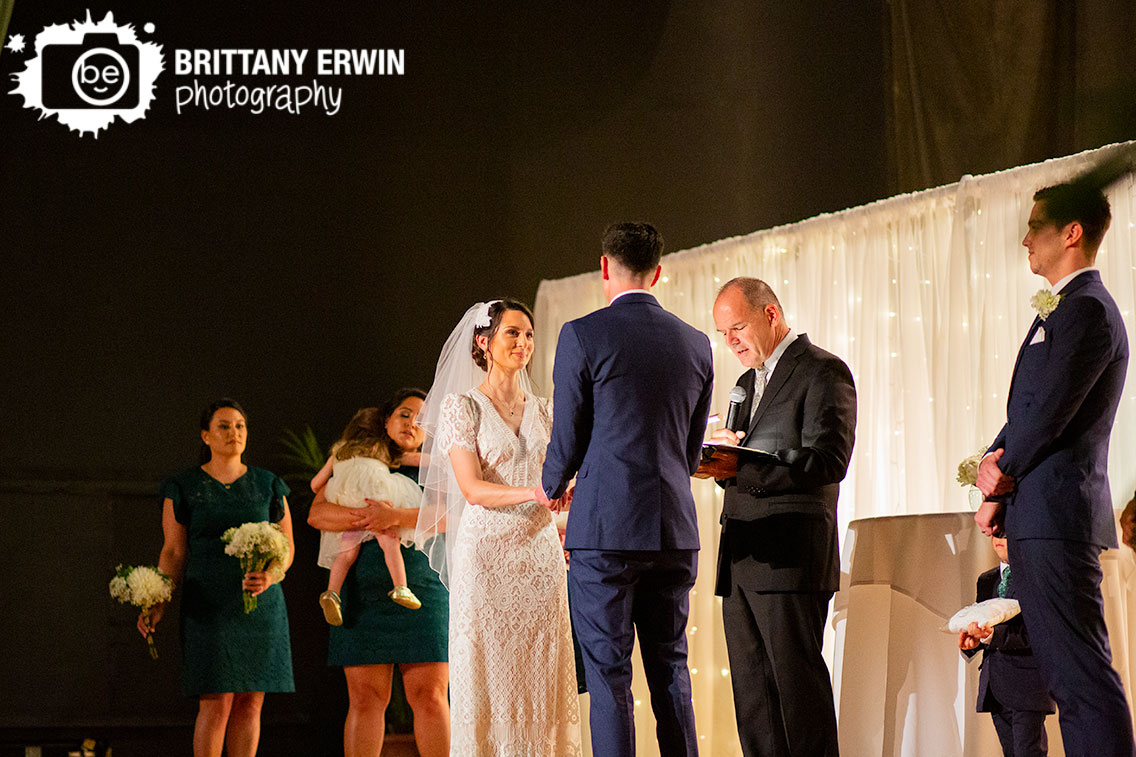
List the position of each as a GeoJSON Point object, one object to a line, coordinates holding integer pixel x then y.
{"type": "Point", "coordinates": [512, 670]}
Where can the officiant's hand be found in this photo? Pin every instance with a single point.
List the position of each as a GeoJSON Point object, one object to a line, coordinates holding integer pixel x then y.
{"type": "Point", "coordinates": [991, 480]}
{"type": "Point", "coordinates": [989, 518]}
{"type": "Point", "coordinates": [1128, 524]}
{"type": "Point", "coordinates": [973, 636]}
{"type": "Point", "coordinates": [726, 436]}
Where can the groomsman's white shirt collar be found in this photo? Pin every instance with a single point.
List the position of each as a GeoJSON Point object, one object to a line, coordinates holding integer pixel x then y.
{"type": "Point", "coordinates": [629, 291]}
{"type": "Point", "coordinates": [1002, 569]}
{"type": "Point", "coordinates": [778, 351]}
{"type": "Point", "coordinates": [1061, 283]}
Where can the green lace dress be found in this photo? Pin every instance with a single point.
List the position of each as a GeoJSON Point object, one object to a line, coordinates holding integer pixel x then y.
{"type": "Point", "coordinates": [224, 649]}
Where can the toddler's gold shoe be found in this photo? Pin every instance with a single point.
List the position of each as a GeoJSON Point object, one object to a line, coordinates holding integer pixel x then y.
{"type": "Point", "coordinates": [405, 597]}
{"type": "Point", "coordinates": [332, 612]}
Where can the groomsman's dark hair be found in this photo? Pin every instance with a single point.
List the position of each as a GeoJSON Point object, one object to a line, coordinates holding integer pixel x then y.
{"type": "Point", "coordinates": [638, 247]}
{"type": "Point", "coordinates": [1077, 201]}
{"type": "Point", "coordinates": [1082, 198]}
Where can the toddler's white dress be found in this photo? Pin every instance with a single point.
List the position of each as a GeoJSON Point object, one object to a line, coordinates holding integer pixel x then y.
{"type": "Point", "coordinates": [354, 481]}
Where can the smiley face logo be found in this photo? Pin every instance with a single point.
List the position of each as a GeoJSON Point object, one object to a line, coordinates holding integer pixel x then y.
{"type": "Point", "coordinates": [89, 74]}
{"type": "Point", "coordinates": [100, 76]}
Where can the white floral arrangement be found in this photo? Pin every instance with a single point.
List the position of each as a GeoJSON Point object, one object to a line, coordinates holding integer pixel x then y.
{"type": "Point", "coordinates": [260, 547]}
{"type": "Point", "coordinates": [1045, 302]}
{"type": "Point", "coordinates": [968, 469]}
{"type": "Point", "coordinates": [142, 586]}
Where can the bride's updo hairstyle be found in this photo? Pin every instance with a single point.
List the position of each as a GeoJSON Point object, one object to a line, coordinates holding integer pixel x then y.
{"type": "Point", "coordinates": [497, 309]}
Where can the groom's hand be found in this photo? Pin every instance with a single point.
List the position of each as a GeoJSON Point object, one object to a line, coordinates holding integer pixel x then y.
{"type": "Point", "coordinates": [991, 480]}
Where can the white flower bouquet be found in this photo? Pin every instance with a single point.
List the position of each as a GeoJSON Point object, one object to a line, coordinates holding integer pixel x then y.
{"type": "Point", "coordinates": [261, 547]}
{"type": "Point", "coordinates": [142, 586]}
{"type": "Point", "coordinates": [968, 468]}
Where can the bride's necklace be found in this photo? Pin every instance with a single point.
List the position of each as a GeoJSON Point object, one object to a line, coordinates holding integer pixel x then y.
{"type": "Point", "coordinates": [511, 409]}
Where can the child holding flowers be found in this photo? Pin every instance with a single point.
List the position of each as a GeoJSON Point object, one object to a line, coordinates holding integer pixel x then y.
{"type": "Point", "coordinates": [361, 463]}
{"type": "Point", "coordinates": [230, 658]}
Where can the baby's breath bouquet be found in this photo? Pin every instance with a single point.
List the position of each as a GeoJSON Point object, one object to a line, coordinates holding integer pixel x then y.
{"type": "Point", "coordinates": [968, 477]}
{"type": "Point", "coordinates": [968, 469]}
{"type": "Point", "coordinates": [142, 586]}
{"type": "Point", "coordinates": [261, 547]}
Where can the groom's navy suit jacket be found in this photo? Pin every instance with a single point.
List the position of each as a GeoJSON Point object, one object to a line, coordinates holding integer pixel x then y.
{"type": "Point", "coordinates": [1065, 389]}
{"type": "Point", "coordinates": [630, 404]}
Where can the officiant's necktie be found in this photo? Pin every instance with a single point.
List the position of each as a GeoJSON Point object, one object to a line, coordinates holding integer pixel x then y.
{"type": "Point", "coordinates": [760, 375]}
{"type": "Point", "coordinates": [1004, 584]}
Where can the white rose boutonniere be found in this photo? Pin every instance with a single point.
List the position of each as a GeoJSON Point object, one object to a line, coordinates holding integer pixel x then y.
{"type": "Point", "coordinates": [1045, 302]}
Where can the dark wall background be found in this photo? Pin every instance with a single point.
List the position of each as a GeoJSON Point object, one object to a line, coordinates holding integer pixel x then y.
{"type": "Point", "coordinates": [310, 265]}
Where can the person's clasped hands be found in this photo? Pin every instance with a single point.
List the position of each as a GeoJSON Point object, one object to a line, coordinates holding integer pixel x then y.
{"type": "Point", "coordinates": [973, 636]}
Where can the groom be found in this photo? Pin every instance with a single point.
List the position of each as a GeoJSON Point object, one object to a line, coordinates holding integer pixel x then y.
{"type": "Point", "coordinates": [632, 395]}
{"type": "Point", "coordinates": [1049, 465]}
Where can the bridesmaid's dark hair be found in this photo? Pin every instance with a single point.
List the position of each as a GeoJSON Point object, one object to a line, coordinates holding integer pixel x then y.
{"type": "Point", "coordinates": [387, 410]}
{"type": "Point", "coordinates": [207, 418]}
{"type": "Point", "coordinates": [496, 310]}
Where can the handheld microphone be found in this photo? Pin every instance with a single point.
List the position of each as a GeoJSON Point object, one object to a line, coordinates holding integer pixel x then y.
{"type": "Point", "coordinates": [733, 416]}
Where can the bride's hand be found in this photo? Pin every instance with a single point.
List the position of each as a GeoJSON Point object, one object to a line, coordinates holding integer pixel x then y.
{"type": "Point", "coordinates": [562, 503]}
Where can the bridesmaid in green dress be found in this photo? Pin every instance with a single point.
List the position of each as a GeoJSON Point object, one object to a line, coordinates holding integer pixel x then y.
{"type": "Point", "coordinates": [378, 634]}
{"type": "Point", "coordinates": [229, 658]}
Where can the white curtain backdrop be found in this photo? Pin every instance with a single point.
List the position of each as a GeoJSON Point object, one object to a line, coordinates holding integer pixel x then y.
{"type": "Point", "coordinates": [926, 297]}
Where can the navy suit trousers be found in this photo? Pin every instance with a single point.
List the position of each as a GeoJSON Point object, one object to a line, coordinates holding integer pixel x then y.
{"type": "Point", "coordinates": [612, 592]}
{"type": "Point", "coordinates": [1058, 585]}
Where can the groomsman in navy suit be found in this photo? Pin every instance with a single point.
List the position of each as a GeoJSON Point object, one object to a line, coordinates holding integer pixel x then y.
{"type": "Point", "coordinates": [1009, 686]}
{"type": "Point", "coordinates": [1047, 469]}
{"type": "Point", "coordinates": [632, 396]}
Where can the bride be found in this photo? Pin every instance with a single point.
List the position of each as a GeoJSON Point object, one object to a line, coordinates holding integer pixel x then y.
{"type": "Point", "coordinates": [512, 670]}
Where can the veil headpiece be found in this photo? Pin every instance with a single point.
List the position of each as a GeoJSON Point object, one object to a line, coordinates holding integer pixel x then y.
{"type": "Point", "coordinates": [442, 499]}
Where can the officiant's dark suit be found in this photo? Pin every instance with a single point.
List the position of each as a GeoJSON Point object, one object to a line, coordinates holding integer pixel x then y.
{"type": "Point", "coordinates": [778, 565]}
{"type": "Point", "coordinates": [1009, 684]}
{"type": "Point", "coordinates": [631, 400]}
{"type": "Point", "coordinates": [1053, 454]}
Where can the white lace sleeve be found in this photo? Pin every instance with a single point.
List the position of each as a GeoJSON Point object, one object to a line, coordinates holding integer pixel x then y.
{"type": "Point", "coordinates": [545, 411]}
{"type": "Point", "coordinates": [457, 424]}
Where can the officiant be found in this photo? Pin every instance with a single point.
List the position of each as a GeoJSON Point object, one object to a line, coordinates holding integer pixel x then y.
{"type": "Point", "coordinates": [778, 565]}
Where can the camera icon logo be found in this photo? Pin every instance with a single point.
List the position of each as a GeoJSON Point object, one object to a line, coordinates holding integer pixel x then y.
{"type": "Point", "coordinates": [89, 74]}
{"type": "Point", "coordinates": [96, 73]}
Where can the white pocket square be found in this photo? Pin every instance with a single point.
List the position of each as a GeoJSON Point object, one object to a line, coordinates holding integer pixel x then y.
{"type": "Point", "coordinates": [1038, 336]}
